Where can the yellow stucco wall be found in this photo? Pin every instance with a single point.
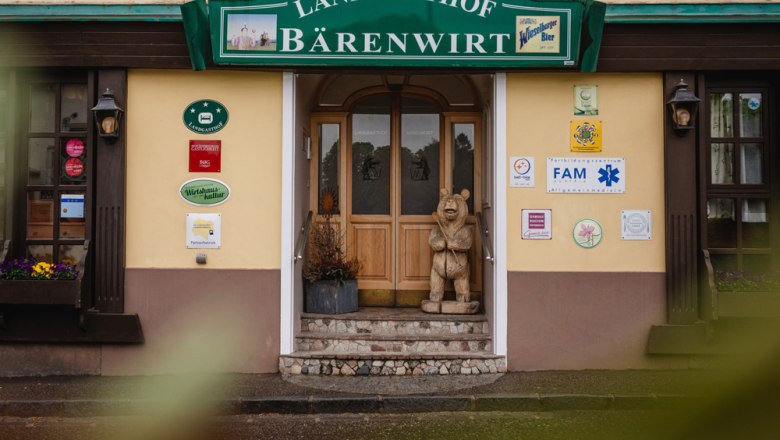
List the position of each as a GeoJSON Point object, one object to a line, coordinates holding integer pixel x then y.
{"type": "Point", "coordinates": [157, 165]}
{"type": "Point", "coordinates": [539, 108]}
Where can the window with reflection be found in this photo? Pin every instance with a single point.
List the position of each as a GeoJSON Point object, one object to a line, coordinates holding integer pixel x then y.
{"type": "Point", "coordinates": [328, 169]}
{"type": "Point", "coordinates": [420, 155]}
{"type": "Point", "coordinates": [738, 194]}
{"type": "Point", "coordinates": [55, 159]}
{"type": "Point", "coordinates": [463, 160]}
{"type": "Point", "coordinates": [4, 139]}
{"type": "Point", "coordinates": [371, 157]}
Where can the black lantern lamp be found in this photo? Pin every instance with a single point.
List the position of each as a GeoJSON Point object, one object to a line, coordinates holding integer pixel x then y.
{"type": "Point", "coordinates": [683, 107]}
{"type": "Point", "coordinates": [107, 116]}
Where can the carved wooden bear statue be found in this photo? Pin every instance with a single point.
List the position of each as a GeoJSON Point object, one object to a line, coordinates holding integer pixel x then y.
{"type": "Point", "coordinates": [450, 241]}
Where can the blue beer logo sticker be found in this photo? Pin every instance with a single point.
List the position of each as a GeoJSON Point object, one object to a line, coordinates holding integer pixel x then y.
{"type": "Point", "coordinates": [205, 116]}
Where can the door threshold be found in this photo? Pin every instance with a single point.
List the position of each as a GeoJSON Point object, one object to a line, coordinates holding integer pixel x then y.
{"type": "Point", "coordinates": [395, 314]}
{"type": "Point", "coordinates": [402, 298]}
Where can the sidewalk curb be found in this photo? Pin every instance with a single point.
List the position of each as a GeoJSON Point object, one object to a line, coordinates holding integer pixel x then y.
{"type": "Point", "coordinates": [358, 404]}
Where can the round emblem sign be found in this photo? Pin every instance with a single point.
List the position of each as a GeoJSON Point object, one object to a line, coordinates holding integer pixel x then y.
{"type": "Point", "coordinates": [74, 167]}
{"type": "Point", "coordinates": [74, 147]}
{"type": "Point", "coordinates": [636, 223]}
{"type": "Point", "coordinates": [522, 166]}
{"type": "Point", "coordinates": [205, 116]}
{"type": "Point", "coordinates": [587, 233]}
{"type": "Point", "coordinates": [586, 134]}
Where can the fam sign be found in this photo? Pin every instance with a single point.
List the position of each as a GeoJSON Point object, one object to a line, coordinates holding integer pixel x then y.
{"type": "Point", "coordinates": [424, 33]}
{"type": "Point", "coordinates": [580, 175]}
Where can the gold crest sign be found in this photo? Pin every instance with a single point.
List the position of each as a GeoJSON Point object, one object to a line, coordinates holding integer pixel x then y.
{"type": "Point", "coordinates": [585, 136]}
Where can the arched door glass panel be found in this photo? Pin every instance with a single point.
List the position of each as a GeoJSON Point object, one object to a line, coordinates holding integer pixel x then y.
{"type": "Point", "coordinates": [420, 157]}
{"type": "Point", "coordinates": [371, 157]}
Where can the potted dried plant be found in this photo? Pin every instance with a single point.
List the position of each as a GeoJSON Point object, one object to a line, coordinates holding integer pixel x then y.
{"type": "Point", "coordinates": [330, 277]}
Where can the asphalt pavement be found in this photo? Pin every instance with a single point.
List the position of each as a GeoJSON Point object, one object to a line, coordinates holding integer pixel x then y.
{"type": "Point", "coordinates": [235, 394]}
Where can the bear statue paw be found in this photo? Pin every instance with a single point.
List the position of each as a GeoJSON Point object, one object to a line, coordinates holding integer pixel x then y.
{"type": "Point", "coordinates": [429, 306]}
{"type": "Point", "coordinates": [460, 307]}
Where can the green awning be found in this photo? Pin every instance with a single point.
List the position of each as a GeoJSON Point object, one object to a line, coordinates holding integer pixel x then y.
{"type": "Point", "coordinates": [494, 34]}
{"type": "Point", "coordinates": [195, 17]}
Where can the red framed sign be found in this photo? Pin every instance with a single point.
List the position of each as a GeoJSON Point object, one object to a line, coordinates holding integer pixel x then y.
{"type": "Point", "coordinates": [205, 156]}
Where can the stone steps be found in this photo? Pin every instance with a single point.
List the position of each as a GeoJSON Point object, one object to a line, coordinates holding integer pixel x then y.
{"type": "Point", "coordinates": [411, 323]}
{"type": "Point", "coordinates": [391, 364]}
{"type": "Point", "coordinates": [403, 343]}
{"type": "Point", "coordinates": [397, 342]}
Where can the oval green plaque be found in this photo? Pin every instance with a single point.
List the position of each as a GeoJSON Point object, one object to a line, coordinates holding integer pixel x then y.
{"type": "Point", "coordinates": [204, 192]}
{"type": "Point", "coordinates": [205, 116]}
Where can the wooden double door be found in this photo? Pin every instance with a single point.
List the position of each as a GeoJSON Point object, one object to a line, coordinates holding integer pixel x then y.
{"type": "Point", "coordinates": [398, 151]}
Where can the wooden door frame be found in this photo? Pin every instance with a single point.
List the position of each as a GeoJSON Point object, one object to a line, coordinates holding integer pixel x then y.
{"type": "Point", "coordinates": [413, 222]}
{"type": "Point", "coordinates": [315, 120]}
{"type": "Point", "coordinates": [367, 221]}
{"type": "Point", "coordinates": [450, 119]}
{"type": "Point", "coordinates": [393, 246]}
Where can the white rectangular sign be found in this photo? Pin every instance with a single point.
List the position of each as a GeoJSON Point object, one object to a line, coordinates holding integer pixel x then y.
{"type": "Point", "coordinates": [72, 206]}
{"type": "Point", "coordinates": [537, 224]}
{"type": "Point", "coordinates": [522, 172]}
{"type": "Point", "coordinates": [605, 175]}
{"type": "Point", "coordinates": [204, 231]}
{"type": "Point", "coordinates": [635, 225]}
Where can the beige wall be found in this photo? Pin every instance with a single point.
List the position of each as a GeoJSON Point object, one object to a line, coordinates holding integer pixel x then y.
{"type": "Point", "coordinates": [631, 109]}
{"type": "Point", "coordinates": [157, 157]}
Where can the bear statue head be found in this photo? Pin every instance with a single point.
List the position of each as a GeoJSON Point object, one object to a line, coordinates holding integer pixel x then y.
{"type": "Point", "coordinates": [452, 208]}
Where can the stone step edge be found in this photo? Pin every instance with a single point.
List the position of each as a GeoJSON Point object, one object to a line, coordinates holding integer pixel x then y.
{"type": "Point", "coordinates": [393, 366]}
{"type": "Point", "coordinates": [313, 404]}
{"type": "Point", "coordinates": [393, 355]}
{"type": "Point", "coordinates": [357, 316]}
{"type": "Point", "coordinates": [395, 337]}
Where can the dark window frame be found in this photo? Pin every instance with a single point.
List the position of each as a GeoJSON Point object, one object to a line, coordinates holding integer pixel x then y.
{"type": "Point", "coordinates": [22, 187]}
{"type": "Point", "coordinates": [105, 198]}
{"type": "Point", "coordinates": [737, 191]}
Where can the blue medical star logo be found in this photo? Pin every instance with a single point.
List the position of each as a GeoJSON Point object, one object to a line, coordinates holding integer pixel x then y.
{"type": "Point", "coordinates": [609, 175]}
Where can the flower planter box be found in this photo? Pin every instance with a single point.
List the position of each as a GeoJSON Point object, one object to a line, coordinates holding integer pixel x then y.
{"type": "Point", "coordinates": [331, 297]}
{"type": "Point", "coordinates": [748, 304]}
{"type": "Point", "coordinates": [44, 292]}
{"type": "Point", "coordinates": [51, 292]}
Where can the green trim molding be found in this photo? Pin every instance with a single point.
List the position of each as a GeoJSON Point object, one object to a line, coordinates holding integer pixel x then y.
{"type": "Point", "coordinates": [615, 13]}
{"type": "Point", "coordinates": [694, 13]}
{"type": "Point", "coordinates": [126, 12]}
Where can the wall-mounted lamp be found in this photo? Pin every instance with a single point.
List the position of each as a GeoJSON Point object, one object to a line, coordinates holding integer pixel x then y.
{"type": "Point", "coordinates": [683, 107]}
{"type": "Point", "coordinates": [107, 116]}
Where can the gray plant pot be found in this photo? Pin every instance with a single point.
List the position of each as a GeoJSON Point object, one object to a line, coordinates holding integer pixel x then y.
{"type": "Point", "coordinates": [331, 297]}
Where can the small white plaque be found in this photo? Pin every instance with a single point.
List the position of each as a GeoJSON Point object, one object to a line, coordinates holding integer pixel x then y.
{"type": "Point", "coordinates": [635, 224]}
{"type": "Point", "coordinates": [522, 172]}
{"type": "Point", "coordinates": [204, 231]}
{"type": "Point", "coordinates": [72, 206]}
{"type": "Point", "coordinates": [537, 224]}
